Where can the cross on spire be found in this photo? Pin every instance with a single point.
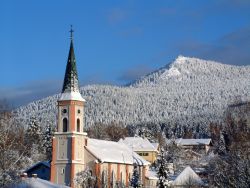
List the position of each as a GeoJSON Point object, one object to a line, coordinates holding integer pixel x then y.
{"type": "Point", "coordinates": [71, 32]}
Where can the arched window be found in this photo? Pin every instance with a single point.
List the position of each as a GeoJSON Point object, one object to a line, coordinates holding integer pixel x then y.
{"type": "Point", "coordinates": [113, 180]}
{"type": "Point", "coordinates": [65, 125]}
{"type": "Point", "coordinates": [78, 125]}
{"type": "Point", "coordinates": [121, 180]}
{"type": "Point", "coordinates": [104, 183]}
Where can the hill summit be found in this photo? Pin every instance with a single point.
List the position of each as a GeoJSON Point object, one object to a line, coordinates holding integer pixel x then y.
{"type": "Point", "coordinates": [188, 92]}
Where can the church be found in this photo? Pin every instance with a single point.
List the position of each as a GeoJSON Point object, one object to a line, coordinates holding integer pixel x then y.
{"type": "Point", "coordinates": [112, 163]}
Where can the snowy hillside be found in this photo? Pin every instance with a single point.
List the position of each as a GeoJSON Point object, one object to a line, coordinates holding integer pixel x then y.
{"type": "Point", "coordinates": [189, 92]}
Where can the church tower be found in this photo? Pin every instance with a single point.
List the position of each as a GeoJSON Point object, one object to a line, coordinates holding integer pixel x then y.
{"type": "Point", "coordinates": [69, 139]}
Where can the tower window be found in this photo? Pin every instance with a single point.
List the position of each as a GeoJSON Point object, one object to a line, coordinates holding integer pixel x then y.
{"type": "Point", "coordinates": [78, 125]}
{"type": "Point", "coordinates": [79, 111]}
{"type": "Point", "coordinates": [65, 125]}
{"type": "Point", "coordinates": [64, 111]}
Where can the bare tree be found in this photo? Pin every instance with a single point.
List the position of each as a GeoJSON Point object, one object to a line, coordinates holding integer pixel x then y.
{"type": "Point", "coordinates": [12, 149]}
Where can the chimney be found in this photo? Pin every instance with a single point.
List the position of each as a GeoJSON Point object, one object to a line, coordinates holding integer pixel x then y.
{"type": "Point", "coordinates": [23, 176]}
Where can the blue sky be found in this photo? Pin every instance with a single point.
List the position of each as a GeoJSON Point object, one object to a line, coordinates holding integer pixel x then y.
{"type": "Point", "coordinates": [115, 41]}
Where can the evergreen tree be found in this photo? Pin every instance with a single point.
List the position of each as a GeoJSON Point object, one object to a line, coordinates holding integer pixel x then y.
{"type": "Point", "coordinates": [135, 180]}
{"type": "Point", "coordinates": [221, 145]}
{"type": "Point", "coordinates": [47, 140]}
{"type": "Point", "coordinates": [85, 179]}
{"type": "Point", "coordinates": [162, 171]}
{"type": "Point", "coordinates": [33, 135]}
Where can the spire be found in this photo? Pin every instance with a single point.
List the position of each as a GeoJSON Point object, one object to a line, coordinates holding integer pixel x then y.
{"type": "Point", "coordinates": [70, 83]}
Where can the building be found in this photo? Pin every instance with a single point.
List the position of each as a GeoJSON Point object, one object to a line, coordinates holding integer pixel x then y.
{"type": "Point", "coordinates": [73, 151]}
{"type": "Point", "coordinates": [187, 178]}
{"type": "Point", "coordinates": [113, 162]}
{"type": "Point", "coordinates": [198, 145]}
{"type": "Point", "coordinates": [142, 147]}
{"type": "Point", "coordinates": [41, 169]}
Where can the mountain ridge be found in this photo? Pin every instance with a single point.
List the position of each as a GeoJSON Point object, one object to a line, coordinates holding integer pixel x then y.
{"type": "Point", "coordinates": [190, 92]}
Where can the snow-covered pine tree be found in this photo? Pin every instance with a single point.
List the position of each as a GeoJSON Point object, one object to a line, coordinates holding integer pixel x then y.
{"type": "Point", "coordinates": [34, 141]}
{"type": "Point", "coordinates": [221, 145]}
{"type": "Point", "coordinates": [162, 171]}
{"type": "Point", "coordinates": [85, 179]}
{"type": "Point", "coordinates": [135, 180]}
{"type": "Point", "coordinates": [47, 140]}
{"type": "Point", "coordinates": [33, 134]}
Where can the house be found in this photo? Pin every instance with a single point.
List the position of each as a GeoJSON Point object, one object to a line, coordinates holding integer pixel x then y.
{"type": "Point", "coordinates": [41, 169]}
{"type": "Point", "coordinates": [187, 178]}
{"type": "Point", "coordinates": [73, 152]}
{"type": "Point", "coordinates": [198, 145]}
{"type": "Point", "coordinates": [142, 147]}
{"type": "Point", "coordinates": [151, 179]}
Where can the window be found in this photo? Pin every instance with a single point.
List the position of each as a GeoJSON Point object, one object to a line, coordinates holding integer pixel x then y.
{"type": "Point", "coordinates": [112, 182]}
{"type": "Point", "coordinates": [103, 179]}
{"type": "Point", "coordinates": [78, 111]}
{"type": "Point", "coordinates": [64, 111]}
{"type": "Point", "coordinates": [78, 125]}
{"type": "Point", "coordinates": [62, 171]}
{"type": "Point", "coordinates": [145, 154]}
{"type": "Point", "coordinates": [65, 125]}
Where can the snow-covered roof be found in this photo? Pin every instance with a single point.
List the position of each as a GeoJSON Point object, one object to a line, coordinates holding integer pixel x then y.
{"type": "Point", "coordinates": [152, 175]}
{"type": "Point", "coordinates": [71, 96]}
{"type": "Point", "coordinates": [183, 142]}
{"type": "Point", "coordinates": [187, 177]}
{"type": "Point", "coordinates": [37, 182]}
{"type": "Point", "coordinates": [155, 144]}
{"type": "Point", "coordinates": [138, 144]}
{"type": "Point", "coordinates": [45, 163]}
{"type": "Point", "coordinates": [108, 151]}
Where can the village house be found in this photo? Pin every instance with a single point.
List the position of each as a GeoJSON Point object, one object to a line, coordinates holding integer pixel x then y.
{"type": "Point", "coordinates": [41, 169]}
{"type": "Point", "coordinates": [198, 145]}
{"type": "Point", "coordinates": [142, 147]}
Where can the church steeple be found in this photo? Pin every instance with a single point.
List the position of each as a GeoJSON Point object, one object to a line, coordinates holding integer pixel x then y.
{"type": "Point", "coordinates": [69, 139]}
{"type": "Point", "coordinates": [70, 83]}
{"type": "Point", "coordinates": [70, 90]}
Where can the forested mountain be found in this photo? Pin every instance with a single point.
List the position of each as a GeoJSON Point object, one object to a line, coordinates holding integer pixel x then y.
{"type": "Point", "coordinates": [189, 93]}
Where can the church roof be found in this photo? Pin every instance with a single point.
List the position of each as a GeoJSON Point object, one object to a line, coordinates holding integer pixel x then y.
{"type": "Point", "coordinates": [71, 77]}
{"type": "Point", "coordinates": [138, 144]}
{"type": "Point", "coordinates": [70, 90]}
{"type": "Point", "coordinates": [114, 152]}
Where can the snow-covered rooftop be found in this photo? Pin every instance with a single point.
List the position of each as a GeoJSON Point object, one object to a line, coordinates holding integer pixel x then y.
{"type": "Point", "coordinates": [138, 144]}
{"type": "Point", "coordinates": [152, 175]}
{"type": "Point", "coordinates": [37, 183]}
{"type": "Point", "coordinates": [71, 96]}
{"type": "Point", "coordinates": [108, 151]}
{"type": "Point", "coordinates": [45, 163]}
{"type": "Point", "coordinates": [183, 142]}
{"type": "Point", "coordinates": [187, 177]}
